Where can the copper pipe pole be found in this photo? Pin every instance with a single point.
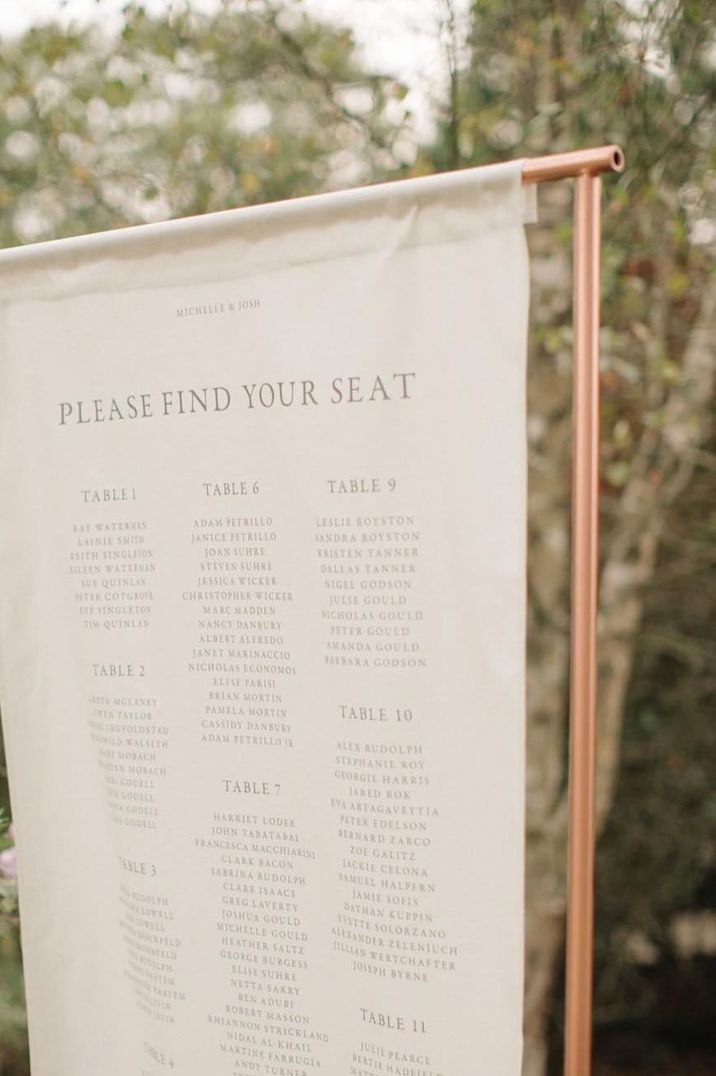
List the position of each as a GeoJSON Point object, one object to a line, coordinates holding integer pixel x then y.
{"type": "Point", "coordinates": [583, 662]}
{"type": "Point", "coordinates": [574, 163]}
{"type": "Point", "coordinates": [586, 166]}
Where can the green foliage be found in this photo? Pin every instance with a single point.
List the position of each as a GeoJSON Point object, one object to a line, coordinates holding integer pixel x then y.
{"type": "Point", "coordinates": [13, 1035]}
{"type": "Point", "coordinates": [657, 856]}
{"type": "Point", "coordinates": [181, 114]}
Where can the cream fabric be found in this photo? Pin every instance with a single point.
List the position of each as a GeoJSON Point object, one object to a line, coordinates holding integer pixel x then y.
{"type": "Point", "coordinates": [262, 479]}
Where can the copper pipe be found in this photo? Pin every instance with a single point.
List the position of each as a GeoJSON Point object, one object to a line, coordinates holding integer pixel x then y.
{"type": "Point", "coordinates": [583, 662]}
{"type": "Point", "coordinates": [568, 165]}
{"type": "Point", "coordinates": [586, 166]}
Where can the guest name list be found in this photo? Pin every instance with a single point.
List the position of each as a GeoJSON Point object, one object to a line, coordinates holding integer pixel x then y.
{"type": "Point", "coordinates": [263, 638]}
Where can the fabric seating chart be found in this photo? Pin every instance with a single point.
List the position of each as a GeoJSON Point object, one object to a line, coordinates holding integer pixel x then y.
{"type": "Point", "coordinates": [262, 623]}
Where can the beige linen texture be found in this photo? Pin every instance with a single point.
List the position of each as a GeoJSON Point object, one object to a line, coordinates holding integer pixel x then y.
{"type": "Point", "coordinates": [422, 284]}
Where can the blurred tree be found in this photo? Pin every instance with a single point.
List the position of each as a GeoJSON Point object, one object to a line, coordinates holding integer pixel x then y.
{"type": "Point", "coordinates": [545, 77]}
{"type": "Point", "coordinates": [181, 114]}
{"type": "Point", "coordinates": [657, 936]}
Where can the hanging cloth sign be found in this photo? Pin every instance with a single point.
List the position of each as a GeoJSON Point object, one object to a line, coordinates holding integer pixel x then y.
{"type": "Point", "coordinates": [262, 478]}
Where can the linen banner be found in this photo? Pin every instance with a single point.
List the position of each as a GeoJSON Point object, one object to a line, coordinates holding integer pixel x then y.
{"type": "Point", "coordinates": [262, 626]}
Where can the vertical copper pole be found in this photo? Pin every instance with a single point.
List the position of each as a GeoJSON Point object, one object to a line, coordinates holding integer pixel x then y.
{"type": "Point", "coordinates": [583, 675]}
